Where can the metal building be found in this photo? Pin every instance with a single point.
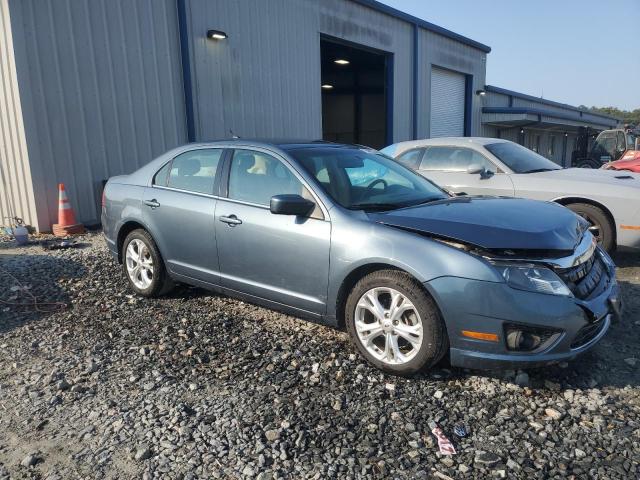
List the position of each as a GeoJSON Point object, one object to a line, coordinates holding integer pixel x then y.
{"type": "Point", "coordinates": [549, 128]}
{"type": "Point", "coordinates": [92, 89]}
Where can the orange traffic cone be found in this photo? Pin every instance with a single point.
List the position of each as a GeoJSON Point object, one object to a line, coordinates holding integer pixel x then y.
{"type": "Point", "coordinates": [67, 224]}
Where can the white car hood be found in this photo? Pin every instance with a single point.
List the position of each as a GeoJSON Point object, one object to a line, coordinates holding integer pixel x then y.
{"type": "Point", "coordinates": [609, 177]}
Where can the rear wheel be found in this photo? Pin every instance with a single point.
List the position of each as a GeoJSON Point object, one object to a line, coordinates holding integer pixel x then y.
{"type": "Point", "coordinates": [394, 323]}
{"type": "Point", "coordinates": [601, 227]}
{"type": "Point", "coordinates": [143, 265]}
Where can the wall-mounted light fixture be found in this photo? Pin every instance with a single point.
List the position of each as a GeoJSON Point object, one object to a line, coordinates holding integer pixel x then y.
{"type": "Point", "coordinates": [216, 35]}
{"type": "Point", "coordinates": [566, 134]}
{"type": "Point", "coordinates": [521, 130]}
{"type": "Point", "coordinates": [341, 61]}
{"type": "Point", "coordinates": [482, 93]}
{"type": "Point", "coordinates": [327, 86]}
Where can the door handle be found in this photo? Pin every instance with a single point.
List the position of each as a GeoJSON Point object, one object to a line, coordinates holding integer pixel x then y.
{"type": "Point", "coordinates": [152, 203]}
{"type": "Point", "coordinates": [231, 220]}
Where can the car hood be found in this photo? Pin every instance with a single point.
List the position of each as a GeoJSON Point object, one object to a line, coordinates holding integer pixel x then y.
{"type": "Point", "coordinates": [608, 177]}
{"type": "Point", "coordinates": [492, 223]}
{"type": "Point", "coordinates": [632, 164]}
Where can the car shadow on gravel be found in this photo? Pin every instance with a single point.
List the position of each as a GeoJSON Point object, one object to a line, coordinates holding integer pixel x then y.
{"type": "Point", "coordinates": [31, 287]}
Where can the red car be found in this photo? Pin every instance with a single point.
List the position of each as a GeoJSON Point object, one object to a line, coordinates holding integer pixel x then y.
{"type": "Point", "coordinates": [629, 161]}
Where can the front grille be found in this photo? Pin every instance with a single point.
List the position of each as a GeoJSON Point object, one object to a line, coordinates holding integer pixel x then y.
{"type": "Point", "coordinates": [583, 279]}
{"type": "Point", "coordinates": [588, 333]}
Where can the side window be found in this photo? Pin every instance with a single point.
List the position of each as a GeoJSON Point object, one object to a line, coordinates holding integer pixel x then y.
{"type": "Point", "coordinates": [255, 177]}
{"type": "Point", "coordinates": [606, 144]}
{"type": "Point", "coordinates": [411, 159]}
{"type": "Point", "coordinates": [454, 159]}
{"type": "Point", "coordinates": [161, 175]}
{"type": "Point", "coordinates": [195, 171]}
{"type": "Point", "coordinates": [622, 142]}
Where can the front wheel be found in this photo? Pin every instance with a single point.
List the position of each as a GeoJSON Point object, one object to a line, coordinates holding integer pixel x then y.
{"type": "Point", "coordinates": [143, 265]}
{"type": "Point", "coordinates": [588, 163]}
{"type": "Point", "coordinates": [600, 225]}
{"type": "Point", "coordinates": [394, 323]}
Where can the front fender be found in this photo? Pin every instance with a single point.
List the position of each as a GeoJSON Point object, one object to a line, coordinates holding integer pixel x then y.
{"type": "Point", "coordinates": [363, 243]}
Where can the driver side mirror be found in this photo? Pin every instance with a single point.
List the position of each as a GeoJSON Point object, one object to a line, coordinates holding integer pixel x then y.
{"type": "Point", "coordinates": [289, 204]}
{"type": "Point", "coordinates": [476, 169]}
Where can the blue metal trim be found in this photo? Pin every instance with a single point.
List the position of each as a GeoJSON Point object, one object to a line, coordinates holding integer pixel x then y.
{"type": "Point", "coordinates": [468, 105]}
{"type": "Point", "coordinates": [416, 78]}
{"type": "Point", "coordinates": [380, 7]}
{"type": "Point", "coordinates": [538, 112]}
{"type": "Point", "coordinates": [389, 93]}
{"type": "Point", "coordinates": [524, 96]}
{"type": "Point", "coordinates": [186, 69]}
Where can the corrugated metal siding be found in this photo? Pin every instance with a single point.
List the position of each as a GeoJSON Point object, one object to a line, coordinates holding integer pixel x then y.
{"type": "Point", "coordinates": [438, 51]}
{"type": "Point", "coordinates": [264, 80]}
{"type": "Point", "coordinates": [496, 99]}
{"type": "Point", "coordinates": [584, 116]}
{"type": "Point", "coordinates": [16, 190]}
{"type": "Point", "coordinates": [102, 93]}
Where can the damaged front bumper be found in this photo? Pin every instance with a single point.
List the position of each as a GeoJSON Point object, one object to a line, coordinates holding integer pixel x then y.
{"type": "Point", "coordinates": [568, 326]}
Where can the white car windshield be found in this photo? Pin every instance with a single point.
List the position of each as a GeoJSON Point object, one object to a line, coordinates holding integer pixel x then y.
{"type": "Point", "coordinates": [521, 159]}
{"type": "Point", "coordinates": [361, 179]}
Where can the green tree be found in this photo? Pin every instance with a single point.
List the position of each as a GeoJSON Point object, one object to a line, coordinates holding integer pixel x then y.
{"type": "Point", "coordinates": [626, 116]}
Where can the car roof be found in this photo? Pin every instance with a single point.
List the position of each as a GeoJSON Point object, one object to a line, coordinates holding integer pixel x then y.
{"type": "Point", "coordinates": [456, 141]}
{"type": "Point", "coordinates": [281, 143]}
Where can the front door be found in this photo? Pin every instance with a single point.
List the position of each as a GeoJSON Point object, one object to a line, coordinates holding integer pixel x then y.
{"type": "Point", "coordinates": [448, 167]}
{"type": "Point", "coordinates": [281, 258]}
{"type": "Point", "coordinates": [179, 210]}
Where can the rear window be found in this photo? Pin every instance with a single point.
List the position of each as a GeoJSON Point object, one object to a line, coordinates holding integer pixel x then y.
{"type": "Point", "coordinates": [193, 171]}
{"type": "Point", "coordinates": [520, 159]}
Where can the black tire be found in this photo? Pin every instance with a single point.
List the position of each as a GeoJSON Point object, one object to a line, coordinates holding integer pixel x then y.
{"type": "Point", "coordinates": [160, 282]}
{"type": "Point", "coordinates": [588, 163]}
{"type": "Point", "coordinates": [435, 342]}
{"type": "Point", "coordinates": [599, 219]}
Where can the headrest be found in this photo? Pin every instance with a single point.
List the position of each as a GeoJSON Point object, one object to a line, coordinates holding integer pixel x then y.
{"type": "Point", "coordinates": [188, 167]}
{"type": "Point", "coordinates": [260, 166]}
{"type": "Point", "coordinates": [246, 160]}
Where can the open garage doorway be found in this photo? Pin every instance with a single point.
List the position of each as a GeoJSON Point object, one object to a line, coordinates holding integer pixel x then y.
{"type": "Point", "coordinates": [356, 99]}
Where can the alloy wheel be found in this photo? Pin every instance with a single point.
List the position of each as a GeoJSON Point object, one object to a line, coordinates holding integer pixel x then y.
{"type": "Point", "coordinates": [388, 325]}
{"type": "Point", "coordinates": [139, 264]}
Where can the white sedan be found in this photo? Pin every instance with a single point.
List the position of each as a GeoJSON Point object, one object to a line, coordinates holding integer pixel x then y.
{"type": "Point", "coordinates": [608, 199]}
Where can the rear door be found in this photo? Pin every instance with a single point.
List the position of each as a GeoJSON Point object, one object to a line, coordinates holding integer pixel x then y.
{"type": "Point", "coordinates": [281, 258]}
{"type": "Point", "coordinates": [179, 209]}
{"type": "Point", "coordinates": [447, 166]}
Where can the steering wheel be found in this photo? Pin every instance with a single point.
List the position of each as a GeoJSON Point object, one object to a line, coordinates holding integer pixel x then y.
{"type": "Point", "coordinates": [374, 183]}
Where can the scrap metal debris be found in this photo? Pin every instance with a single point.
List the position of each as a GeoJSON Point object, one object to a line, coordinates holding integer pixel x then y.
{"type": "Point", "coordinates": [58, 244]}
{"type": "Point", "coordinates": [461, 431]}
{"type": "Point", "coordinates": [444, 444]}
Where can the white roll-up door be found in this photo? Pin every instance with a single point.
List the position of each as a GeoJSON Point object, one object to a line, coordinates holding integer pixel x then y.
{"type": "Point", "coordinates": [447, 103]}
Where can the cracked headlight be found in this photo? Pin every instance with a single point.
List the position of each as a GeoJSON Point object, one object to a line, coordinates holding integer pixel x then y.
{"type": "Point", "coordinates": [532, 278]}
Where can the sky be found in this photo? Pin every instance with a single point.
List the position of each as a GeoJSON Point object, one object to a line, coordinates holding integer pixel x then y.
{"type": "Point", "coordinates": [580, 52]}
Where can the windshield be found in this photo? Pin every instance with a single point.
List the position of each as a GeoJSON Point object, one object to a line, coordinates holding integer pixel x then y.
{"type": "Point", "coordinates": [360, 179]}
{"type": "Point", "coordinates": [521, 159]}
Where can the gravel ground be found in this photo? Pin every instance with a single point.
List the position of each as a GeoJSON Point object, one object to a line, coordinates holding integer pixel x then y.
{"type": "Point", "coordinates": [196, 385]}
